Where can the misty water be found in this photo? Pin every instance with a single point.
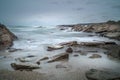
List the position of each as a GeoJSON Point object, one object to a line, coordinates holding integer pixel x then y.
{"type": "Point", "coordinates": [34, 41]}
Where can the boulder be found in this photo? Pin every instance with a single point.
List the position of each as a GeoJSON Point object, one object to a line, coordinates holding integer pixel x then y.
{"type": "Point", "coordinates": [59, 57]}
{"type": "Point", "coordinates": [71, 43]}
{"type": "Point", "coordinates": [69, 50]}
{"type": "Point", "coordinates": [6, 37]}
{"type": "Point", "coordinates": [54, 47]}
{"type": "Point", "coordinates": [23, 66]}
{"type": "Point", "coordinates": [94, 74]}
{"type": "Point", "coordinates": [95, 56]}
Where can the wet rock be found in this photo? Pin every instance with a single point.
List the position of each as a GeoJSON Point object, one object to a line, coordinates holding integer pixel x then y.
{"type": "Point", "coordinates": [21, 66]}
{"type": "Point", "coordinates": [6, 37]}
{"type": "Point", "coordinates": [44, 58]}
{"type": "Point", "coordinates": [97, 27]}
{"type": "Point", "coordinates": [92, 43]}
{"type": "Point", "coordinates": [26, 58]}
{"type": "Point", "coordinates": [113, 35]}
{"type": "Point", "coordinates": [112, 50]}
{"type": "Point", "coordinates": [59, 57]}
{"type": "Point", "coordinates": [69, 50]}
{"type": "Point", "coordinates": [54, 47]}
{"type": "Point", "coordinates": [95, 56]}
{"type": "Point", "coordinates": [30, 56]}
{"type": "Point", "coordinates": [13, 50]}
{"type": "Point", "coordinates": [71, 43]}
{"type": "Point", "coordinates": [38, 62]}
{"type": "Point", "coordinates": [76, 55]}
{"type": "Point", "coordinates": [94, 74]}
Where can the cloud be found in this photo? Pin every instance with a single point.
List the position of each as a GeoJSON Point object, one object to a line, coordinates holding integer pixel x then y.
{"type": "Point", "coordinates": [116, 7]}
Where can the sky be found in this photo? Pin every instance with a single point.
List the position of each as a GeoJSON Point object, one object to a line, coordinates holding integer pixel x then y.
{"type": "Point", "coordinates": [56, 12]}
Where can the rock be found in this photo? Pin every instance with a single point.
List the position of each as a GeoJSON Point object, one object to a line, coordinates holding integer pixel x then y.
{"type": "Point", "coordinates": [95, 56]}
{"type": "Point", "coordinates": [26, 58]}
{"type": "Point", "coordinates": [76, 55]}
{"type": "Point", "coordinates": [59, 57]}
{"type": "Point", "coordinates": [94, 74]}
{"type": "Point", "coordinates": [112, 50]}
{"type": "Point", "coordinates": [38, 63]}
{"type": "Point", "coordinates": [113, 35]}
{"type": "Point", "coordinates": [22, 66]}
{"type": "Point", "coordinates": [6, 37]}
{"type": "Point", "coordinates": [13, 50]}
{"type": "Point", "coordinates": [42, 59]}
{"type": "Point", "coordinates": [54, 47]}
{"type": "Point", "coordinates": [71, 43]}
{"type": "Point", "coordinates": [23, 59]}
{"type": "Point", "coordinates": [92, 43]}
{"type": "Point", "coordinates": [69, 50]}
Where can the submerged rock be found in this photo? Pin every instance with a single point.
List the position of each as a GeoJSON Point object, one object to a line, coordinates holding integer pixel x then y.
{"type": "Point", "coordinates": [59, 57]}
{"type": "Point", "coordinates": [95, 56]}
{"type": "Point", "coordinates": [21, 66]}
{"type": "Point", "coordinates": [13, 50]}
{"type": "Point", "coordinates": [61, 66]}
{"type": "Point", "coordinates": [94, 74]}
{"type": "Point", "coordinates": [6, 37]}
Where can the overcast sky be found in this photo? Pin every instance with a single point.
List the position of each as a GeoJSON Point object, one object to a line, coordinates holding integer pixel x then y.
{"type": "Point", "coordinates": [54, 12]}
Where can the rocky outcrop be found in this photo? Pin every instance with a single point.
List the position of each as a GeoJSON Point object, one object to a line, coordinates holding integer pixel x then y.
{"type": "Point", "coordinates": [6, 37]}
{"type": "Point", "coordinates": [94, 74]}
{"type": "Point", "coordinates": [97, 27]}
{"type": "Point", "coordinates": [110, 29]}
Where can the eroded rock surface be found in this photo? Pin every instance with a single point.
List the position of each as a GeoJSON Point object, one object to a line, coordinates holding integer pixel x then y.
{"type": "Point", "coordinates": [6, 37]}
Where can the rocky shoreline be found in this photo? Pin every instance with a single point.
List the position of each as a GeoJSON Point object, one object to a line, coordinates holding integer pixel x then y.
{"type": "Point", "coordinates": [92, 51]}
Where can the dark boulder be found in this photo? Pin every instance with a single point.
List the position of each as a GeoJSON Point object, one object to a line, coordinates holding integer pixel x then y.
{"type": "Point", "coordinates": [69, 50]}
